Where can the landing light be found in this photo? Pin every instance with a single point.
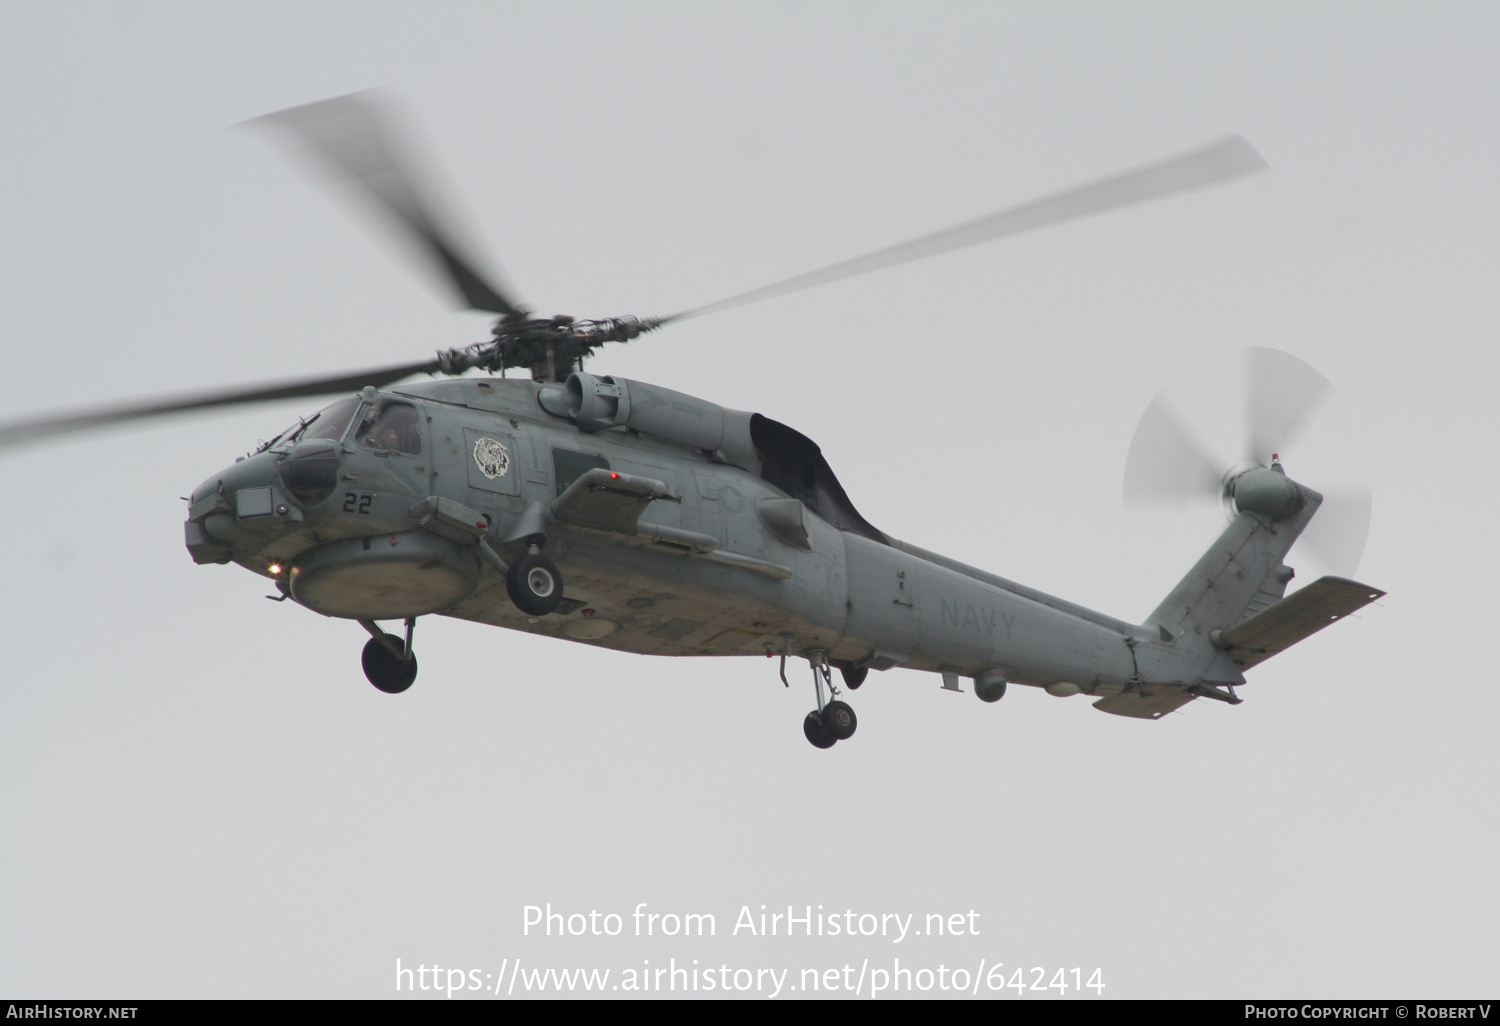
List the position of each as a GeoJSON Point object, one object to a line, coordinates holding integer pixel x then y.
{"type": "Point", "coordinates": [275, 569]}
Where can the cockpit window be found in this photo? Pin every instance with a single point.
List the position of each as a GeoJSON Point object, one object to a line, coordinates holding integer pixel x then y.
{"type": "Point", "coordinates": [330, 423]}
{"type": "Point", "coordinates": [391, 424]}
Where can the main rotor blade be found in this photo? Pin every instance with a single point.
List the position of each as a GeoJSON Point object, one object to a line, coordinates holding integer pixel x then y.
{"type": "Point", "coordinates": [1282, 392]}
{"type": "Point", "coordinates": [1166, 463]}
{"type": "Point", "coordinates": [354, 135]}
{"type": "Point", "coordinates": [1219, 162]}
{"type": "Point", "coordinates": [22, 432]}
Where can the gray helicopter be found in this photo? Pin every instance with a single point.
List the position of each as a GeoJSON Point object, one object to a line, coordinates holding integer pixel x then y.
{"type": "Point", "coordinates": [626, 515]}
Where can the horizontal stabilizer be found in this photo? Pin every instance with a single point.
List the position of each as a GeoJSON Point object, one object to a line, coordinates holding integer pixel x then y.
{"type": "Point", "coordinates": [606, 501]}
{"type": "Point", "coordinates": [1145, 706]}
{"type": "Point", "coordinates": [1300, 615]}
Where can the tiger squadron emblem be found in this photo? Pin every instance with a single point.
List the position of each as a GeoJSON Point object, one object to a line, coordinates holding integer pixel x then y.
{"type": "Point", "coordinates": [492, 458]}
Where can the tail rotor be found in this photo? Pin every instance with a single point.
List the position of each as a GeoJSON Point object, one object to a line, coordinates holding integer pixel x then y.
{"type": "Point", "coordinates": [1168, 464]}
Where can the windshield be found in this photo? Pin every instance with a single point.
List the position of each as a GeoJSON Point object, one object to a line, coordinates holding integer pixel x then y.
{"type": "Point", "coordinates": [329, 422]}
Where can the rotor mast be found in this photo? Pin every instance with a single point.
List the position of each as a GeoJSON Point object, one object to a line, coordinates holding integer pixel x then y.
{"type": "Point", "coordinates": [552, 347]}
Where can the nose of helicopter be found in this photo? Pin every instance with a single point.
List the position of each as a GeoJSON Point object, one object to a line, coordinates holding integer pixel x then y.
{"type": "Point", "coordinates": [254, 497]}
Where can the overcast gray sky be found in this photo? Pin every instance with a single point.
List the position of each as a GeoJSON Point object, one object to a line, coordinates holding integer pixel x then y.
{"type": "Point", "coordinates": [202, 796]}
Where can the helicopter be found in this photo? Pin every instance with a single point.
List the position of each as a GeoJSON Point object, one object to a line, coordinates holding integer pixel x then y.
{"type": "Point", "coordinates": [617, 513]}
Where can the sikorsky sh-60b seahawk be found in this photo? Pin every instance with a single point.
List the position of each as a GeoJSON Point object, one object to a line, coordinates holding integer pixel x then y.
{"type": "Point", "coordinates": [626, 515]}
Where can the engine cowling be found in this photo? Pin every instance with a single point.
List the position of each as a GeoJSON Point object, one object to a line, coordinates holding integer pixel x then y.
{"type": "Point", "coordinates": [600, 402]}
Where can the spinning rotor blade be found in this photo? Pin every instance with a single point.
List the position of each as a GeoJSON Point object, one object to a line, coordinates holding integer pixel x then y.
{"type": "Point", "coordinates": [1282, 392]}
{"type": "Point", "coordinates": [1337, 533]}
{"type": "Point", "coordinates": [1165, 462]}
{"type": "Point", "coordinates": [22, 432]}
{"type": "Point", "coordinates": [1216, 163]}
{"type": "Point", "coordinates": [353, 135]}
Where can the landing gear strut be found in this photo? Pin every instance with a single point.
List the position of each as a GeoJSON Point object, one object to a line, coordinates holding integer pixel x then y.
{"type": "Point", "coordinates": [389, 664]}
{"type": "Point", "coordinates": [831, 721]}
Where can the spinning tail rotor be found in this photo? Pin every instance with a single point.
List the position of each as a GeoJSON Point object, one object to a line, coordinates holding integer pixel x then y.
{"type": "Point", "coordinates": [1168, 464]}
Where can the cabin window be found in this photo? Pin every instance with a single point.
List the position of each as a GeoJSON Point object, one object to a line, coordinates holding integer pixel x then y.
{"type": "Point", "coordinates": [392, 425]}
{"type": "Point", "coordinates": [570, 466]}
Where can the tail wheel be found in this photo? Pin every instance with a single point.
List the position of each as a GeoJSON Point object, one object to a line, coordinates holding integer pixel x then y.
{"type": "Point", "coordinates": [812, 727]}
{"type": "Point", "coordinates": [839, 720]}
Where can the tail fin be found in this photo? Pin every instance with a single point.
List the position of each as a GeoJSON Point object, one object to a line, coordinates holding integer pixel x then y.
{"type": "Point", "coordinates": [1240, 575]}
{"type": "Point", "coordinates": [1229, 614]}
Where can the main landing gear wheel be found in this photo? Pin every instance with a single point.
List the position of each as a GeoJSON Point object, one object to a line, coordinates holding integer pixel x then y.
{"type": "Point", "coordinates": [839, 721]}
{"type": "Point", "coordinates": [386, 670]}
{"type": "Point", "coordinates": [812, 726]}
{"type": "Point", "coordinates": [534, 585]}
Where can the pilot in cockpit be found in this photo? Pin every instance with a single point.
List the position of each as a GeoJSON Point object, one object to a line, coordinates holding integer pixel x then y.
{"type": "Point", "coordinates": [393, 426]}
